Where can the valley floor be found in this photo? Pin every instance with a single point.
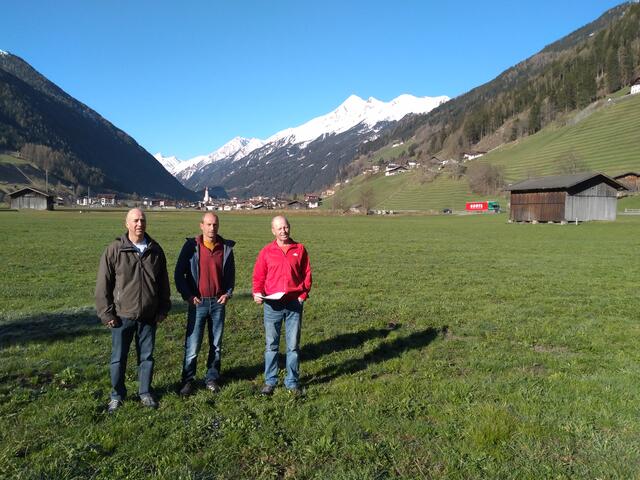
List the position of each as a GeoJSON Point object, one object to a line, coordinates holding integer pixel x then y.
{"type": "Point", "coordinates": [432, 347]}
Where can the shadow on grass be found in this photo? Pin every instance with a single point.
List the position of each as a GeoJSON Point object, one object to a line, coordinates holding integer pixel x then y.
{"type": "Point", "coordinates": [60, 326]}
{"type": "Point", "coordinates": [384, 352]}
{"type": "Point", "coordinates": [49, 328]}
{"type": "Point", "coordinates": [313, 351]}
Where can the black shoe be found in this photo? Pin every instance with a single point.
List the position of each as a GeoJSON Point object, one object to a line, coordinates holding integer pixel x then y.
{"type": "Point", "coordinates": [213, 386]}
{"type": "Point", "coordinates": [147, 401]}
{"type": "Point", "coordinates": [267, 390]}
{"type": "Point", "coordinates": [187, 389]}
{"type": "Point", "coordinates": [113, 405]}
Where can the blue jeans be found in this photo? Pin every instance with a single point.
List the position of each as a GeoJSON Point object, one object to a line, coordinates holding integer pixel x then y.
{"type": "Point", "coordinates": [121, 337]}
{"type": "Point", "coordinates": [211, 314]}
{"type": "Point", "coordinates": [274, 314]}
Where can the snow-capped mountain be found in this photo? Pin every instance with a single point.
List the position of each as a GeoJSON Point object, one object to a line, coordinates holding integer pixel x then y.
{"type": "Point", "coordinates": [353, 111]}
{"type": "Point", "coordinates": [235, 149]}
{"type": "Point", "coordinates": [169, 163]}
{"type": "Point", "coordinates": [296, 151]}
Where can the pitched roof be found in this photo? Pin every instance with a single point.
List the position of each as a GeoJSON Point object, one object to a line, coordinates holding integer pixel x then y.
{"type": "Point", "coordinates": [625, 174]}
{"type": "Point", "coordinates": [559, 182]}
{"type": "Point", "coordinates": [24, 190]}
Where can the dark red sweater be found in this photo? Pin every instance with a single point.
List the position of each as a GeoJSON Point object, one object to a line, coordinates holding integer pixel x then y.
{"type": "Point", "coordinates": [210, 281]}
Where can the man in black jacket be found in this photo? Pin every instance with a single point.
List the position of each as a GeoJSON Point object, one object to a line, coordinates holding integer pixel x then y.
{"type": "Point", "coordinates": [205, 277]}
{"type": "Point", "coordinates": [132, 297]}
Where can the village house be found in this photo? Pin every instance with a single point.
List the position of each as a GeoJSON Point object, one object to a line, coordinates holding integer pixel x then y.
{"type": "Point", "coordinates": [312, 201]}
{"type": "Point", "coordinates": [565, 198]}
{"type": "Point", "coordinates": [106, 199]}
{"type": "Point", "coordinates": [631, 180]}
{"type": "Point", "coordinates": [393, 169]}
{"type": "Point", "coordinates": [635, 86]}
{"type": "Point", "coordinates": [31, 198]}
{"type": "Point", "coordinates": [472, 155]}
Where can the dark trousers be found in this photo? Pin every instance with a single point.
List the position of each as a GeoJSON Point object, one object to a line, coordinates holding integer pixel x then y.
{"type": "Point", "coordinates": [121, 337]}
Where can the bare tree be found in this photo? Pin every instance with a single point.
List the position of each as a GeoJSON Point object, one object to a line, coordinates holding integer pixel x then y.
{"type": "Point", "coordinates": [485, 178]}
{"type": "Point", "coordinates": [338, 203]}
{"type": "Point", "coordinates": [366, 197]}
{"type": "Point", "coordinates": [572, 163]}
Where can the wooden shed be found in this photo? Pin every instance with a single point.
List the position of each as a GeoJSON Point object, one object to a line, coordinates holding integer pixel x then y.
{"type": "Point", "coordinates": [31, 198]}
{"type": "Point", "coordinates": [565, 198]}
{"type": "Point", "coordinates": [631, 180]}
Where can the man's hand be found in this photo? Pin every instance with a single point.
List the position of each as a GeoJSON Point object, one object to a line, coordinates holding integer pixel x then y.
{"type": "Point", "coordinates": [195, 301]}
{"type": "Point", "coordinates": [257, 299]}
{"type": "Point", "coordinates": [222, 299]}
{"type": "Point", "coordinates": [160, 318]}
{"type": "Point", "coordinates": [114, 323]}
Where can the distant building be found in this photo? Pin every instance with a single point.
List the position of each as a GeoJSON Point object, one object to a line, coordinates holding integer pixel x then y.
{"type": "Point", "coordinates": [565, 198]}
{"type": "Point", "coordinates": [473, 154]}
{"type": "Point", "coordinates": [31, 198]}
{"type": "Point", "coordinates": [394, 170]}
{"type": "Point", "coordinates": [631, 180]}
{"type": "Point", "coordinates": [295, 205]}
{"type": "Point", "coordinates": [312, 201]}
{"type": "Point", "coordinates": [635, 86]}
{"type": "Point", "coordinates": [106, 199]}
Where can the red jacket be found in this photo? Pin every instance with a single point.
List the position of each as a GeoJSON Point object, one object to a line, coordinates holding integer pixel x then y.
{"type": "Point", "coordinates": [276, 271]}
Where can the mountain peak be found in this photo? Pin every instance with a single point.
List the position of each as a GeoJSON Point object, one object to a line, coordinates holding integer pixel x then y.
{"type": "Point", "coordinates": [353, 111]}
{"type": "Point", "coordinates": [2, 52]}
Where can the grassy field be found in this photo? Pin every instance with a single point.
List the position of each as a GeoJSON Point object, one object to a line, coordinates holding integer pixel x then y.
{"type": "Point", "coordinates": [603, 137]}
{"type": "Point", "coordinates": [406, 193]}
{"type": "Point", "coordinates": [433, 347]}
{"type": "Point", "coordinates": [606, 140]}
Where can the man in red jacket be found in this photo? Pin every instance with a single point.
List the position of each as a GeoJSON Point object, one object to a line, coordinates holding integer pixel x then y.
{"type": "Point", "coordinates": [281, 282]}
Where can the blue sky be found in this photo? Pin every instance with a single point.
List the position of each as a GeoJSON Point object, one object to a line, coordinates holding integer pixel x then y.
{"type": "Point", "coordinates": [184, 78]}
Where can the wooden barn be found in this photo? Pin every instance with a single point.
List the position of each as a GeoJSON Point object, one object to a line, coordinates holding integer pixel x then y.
{"type": "Point", "coordinates": [631, 180]}
{"type": "Point", "coordinates": [31, 198]}
{"type": "Point", "coordinates": [565, 198]}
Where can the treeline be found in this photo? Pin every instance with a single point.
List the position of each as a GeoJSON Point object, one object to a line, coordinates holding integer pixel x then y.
{"type": "Point", "coordinates": [62, 165]}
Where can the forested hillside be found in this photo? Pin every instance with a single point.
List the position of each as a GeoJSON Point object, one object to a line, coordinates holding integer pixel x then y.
{"type": "Point", "coordinates": [54, 131]}
{"type": "Point", "coordinates": [585, 66]}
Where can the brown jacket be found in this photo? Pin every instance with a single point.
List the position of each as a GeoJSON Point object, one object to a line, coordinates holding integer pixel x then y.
{"type": "Point", "coordinates": [131, 285]}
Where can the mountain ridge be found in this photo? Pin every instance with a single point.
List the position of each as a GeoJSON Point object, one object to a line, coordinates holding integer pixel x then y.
{"type": "Point", "coordinates": [355, 119]}
{"type": "Point", "coordinates": [72, 140]}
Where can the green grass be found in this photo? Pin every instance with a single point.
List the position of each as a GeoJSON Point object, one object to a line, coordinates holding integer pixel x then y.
{"type": "Point", "coordinates": [605, 141]}
{"type": "Point", "coordinates": [406, 192]}
{"type": "Point", "coordinates": [12, 160]}
{"type": "Point", "coordinates": [514, 355]}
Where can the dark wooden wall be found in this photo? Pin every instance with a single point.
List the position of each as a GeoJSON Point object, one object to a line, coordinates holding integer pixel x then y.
{"type": "Point", "coordinates": [538, 206]}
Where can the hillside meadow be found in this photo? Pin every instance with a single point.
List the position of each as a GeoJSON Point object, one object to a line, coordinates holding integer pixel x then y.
{"type": "Point", "coordinates": [602, 137]}
{"type": "Point", "coordinates": [432, 347]}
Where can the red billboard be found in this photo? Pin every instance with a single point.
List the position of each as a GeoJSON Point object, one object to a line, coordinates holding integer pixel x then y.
{"type": "Point", "coordinates": [477, 206]}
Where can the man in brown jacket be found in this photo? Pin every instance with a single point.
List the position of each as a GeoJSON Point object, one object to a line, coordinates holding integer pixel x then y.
{"type": "Point", "coordinates": [132, 297]}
